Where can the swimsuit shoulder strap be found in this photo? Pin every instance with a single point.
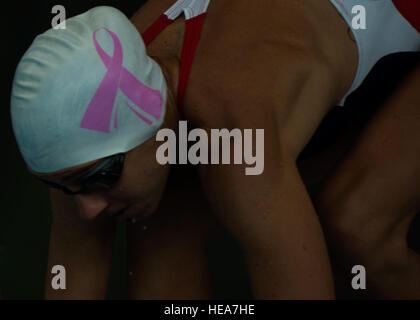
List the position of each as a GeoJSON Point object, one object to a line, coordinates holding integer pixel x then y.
{"type": "Point", "coordinates": [195, 12]}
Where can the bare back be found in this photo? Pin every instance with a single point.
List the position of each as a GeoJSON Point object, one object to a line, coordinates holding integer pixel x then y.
{"type": "Point", "coordinates": [252, 59]}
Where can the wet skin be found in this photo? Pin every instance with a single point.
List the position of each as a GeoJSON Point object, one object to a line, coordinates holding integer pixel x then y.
{"type": "Point", "coordinates": [246, 74]}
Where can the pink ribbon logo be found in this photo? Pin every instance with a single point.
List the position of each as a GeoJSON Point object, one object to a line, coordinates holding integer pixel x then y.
{"type": "Point", "coordinates": [99, 111]}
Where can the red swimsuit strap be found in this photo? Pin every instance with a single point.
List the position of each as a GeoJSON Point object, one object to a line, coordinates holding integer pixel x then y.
{"type": "Point", "coordinates": [191, 38]}
{"type": "Point", "coordinates": [152, 32]}
{"type": "Point", "coordinates": [410, 9]}
{"type": "Point", "coordinates": [193, 29]}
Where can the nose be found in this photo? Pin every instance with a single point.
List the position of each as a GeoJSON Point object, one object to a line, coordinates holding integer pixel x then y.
{"type": "Point", "coordinates": [90, 205]}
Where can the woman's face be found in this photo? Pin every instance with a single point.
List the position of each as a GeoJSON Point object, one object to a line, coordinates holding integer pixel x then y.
{"type": "Point", "coordinates": [143, 179]}
{"type": "Point", "coordinates": [138, 190]}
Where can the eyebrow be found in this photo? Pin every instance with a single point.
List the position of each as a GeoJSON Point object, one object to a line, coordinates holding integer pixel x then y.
{"type": "Point", "coordinates": [73, 174]}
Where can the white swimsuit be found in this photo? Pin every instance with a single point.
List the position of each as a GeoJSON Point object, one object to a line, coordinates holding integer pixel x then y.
{"type": "Point", "coordinates": [387, 31]}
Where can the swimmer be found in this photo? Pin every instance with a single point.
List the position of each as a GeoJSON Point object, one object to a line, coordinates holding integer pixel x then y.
{"type": "Point", "coordinates": [88, 101]}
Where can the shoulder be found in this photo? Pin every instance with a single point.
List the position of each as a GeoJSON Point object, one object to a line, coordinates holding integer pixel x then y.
{"type": "Point", "coordinates": [244, 59]}
{"type": "Point", "coordinates": [248, 86]}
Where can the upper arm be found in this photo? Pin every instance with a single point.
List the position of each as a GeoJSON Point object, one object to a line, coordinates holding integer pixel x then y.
{"type": "Point", "coordinates": [243, 202]}
{"type": "Point", "coordinates": [172, 249]}
{"type": "Point", "coordinates": [272, 217]}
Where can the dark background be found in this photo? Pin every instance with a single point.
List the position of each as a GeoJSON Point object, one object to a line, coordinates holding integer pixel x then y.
{"type": "Point", "coordinates": [25, 211]}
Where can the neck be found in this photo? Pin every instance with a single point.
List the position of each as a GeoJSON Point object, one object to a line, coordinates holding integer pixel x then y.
{"type": "Point", "coordinates": [170, 70]}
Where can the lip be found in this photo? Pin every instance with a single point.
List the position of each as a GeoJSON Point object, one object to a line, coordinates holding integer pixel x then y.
{"type": "Point", "coordinates": [126, 213]}
{"type": "Point", "coordinates": [131, 212]}
{"type": "Point", "coordinates": [119, 213]}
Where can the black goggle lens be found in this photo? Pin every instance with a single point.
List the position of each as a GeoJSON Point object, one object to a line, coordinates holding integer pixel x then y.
{"type": "Point", "coordinates": [103, 177]}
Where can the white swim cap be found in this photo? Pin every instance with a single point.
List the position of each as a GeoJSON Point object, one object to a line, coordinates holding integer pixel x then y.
{"type": "Point", "coordinates": [86, 92]}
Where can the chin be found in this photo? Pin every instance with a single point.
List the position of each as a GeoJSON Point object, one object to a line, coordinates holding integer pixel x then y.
{"type": "Point", "coordinates": [145, 206]}
{"type": "Point", "coordinates": [140, 211]}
